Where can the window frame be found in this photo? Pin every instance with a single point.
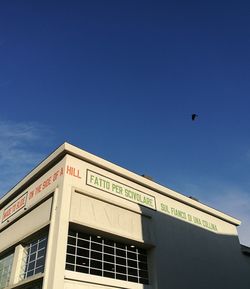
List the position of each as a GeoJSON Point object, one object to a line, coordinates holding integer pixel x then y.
{"type": "Point", "coordinates": [127, 262]}
{"type": "Point", "coordinates": [34, 254]}
{"type": "Point", "coordinates": [5, 258]}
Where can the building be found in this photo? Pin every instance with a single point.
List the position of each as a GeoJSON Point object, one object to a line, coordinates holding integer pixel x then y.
{"type": "Point", "coordinates": [79, 222]}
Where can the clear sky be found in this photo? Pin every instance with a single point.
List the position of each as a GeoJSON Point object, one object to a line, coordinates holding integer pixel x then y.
{"type": "Point", "coordinates": [121, 79]}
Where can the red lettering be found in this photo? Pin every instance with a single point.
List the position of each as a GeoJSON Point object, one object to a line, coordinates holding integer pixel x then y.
{"type": "Point", "coordinates": [73, 172]}
{"type": "Point", "coordinates": [31, 195]}
{"type": "Point", "coordinates": [38, 189]}
{"type": "Point", "coordinates": [55, 175]}
{"type": "Point", "coordinates": [14, 207]}
{"type": "Point", "coordinates": [6, 213]}
{"type": "Point", "coordinates": [46, 183]}
{"type": "Point", "coordinates": [61, 172]}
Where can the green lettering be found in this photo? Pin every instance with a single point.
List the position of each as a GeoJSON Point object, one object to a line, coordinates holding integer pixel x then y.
{"type": "Point", "coordinates": [164, 208]}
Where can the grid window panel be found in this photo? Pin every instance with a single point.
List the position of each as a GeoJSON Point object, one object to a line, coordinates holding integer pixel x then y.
{"type": "Point", "coordinates": [5, 270]}
{"type": "Point", "coordinates": [93, 254]}
{"type": "Point", "coordinates": [108, 274]}
{"type": "Point", "coordinates": [82, 269]}
{"type": "Point", "coordinates": [34, 257]}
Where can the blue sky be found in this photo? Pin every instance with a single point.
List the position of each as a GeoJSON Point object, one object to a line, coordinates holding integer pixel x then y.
{"type": "Point", "coordinates": [121, 79]}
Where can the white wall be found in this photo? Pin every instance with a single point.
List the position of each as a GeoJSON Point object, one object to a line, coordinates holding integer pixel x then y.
{"type": "Point", "coordinates": [193, 249]}
{"type": "Point", "coordinates": [30, 223]}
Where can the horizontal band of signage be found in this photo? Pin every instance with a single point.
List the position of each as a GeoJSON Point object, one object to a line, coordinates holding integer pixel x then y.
{"type": "Point", "coordinates": [109, 185]}
{"type": "Point", "coordinates": [14, 207]}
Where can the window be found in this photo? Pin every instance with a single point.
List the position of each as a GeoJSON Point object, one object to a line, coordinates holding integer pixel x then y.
{"type": "Point", "coordinates": [96, 255]}
{"type": "Point", "coordinates": [5, 270]}
{"type": "Point", "coordinates": [34, 257]}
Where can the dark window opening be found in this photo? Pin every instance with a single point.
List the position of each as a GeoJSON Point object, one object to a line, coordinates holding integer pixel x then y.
{"type": "Point", "coordinates": [93, 254]}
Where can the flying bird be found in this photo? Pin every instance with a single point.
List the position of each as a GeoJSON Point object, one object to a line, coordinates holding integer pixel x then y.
{"type": "Point", "coordinates": [194, 116]}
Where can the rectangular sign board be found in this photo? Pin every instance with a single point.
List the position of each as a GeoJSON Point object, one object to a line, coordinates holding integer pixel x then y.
{"type": "Point", "coordinates": [109, 185]}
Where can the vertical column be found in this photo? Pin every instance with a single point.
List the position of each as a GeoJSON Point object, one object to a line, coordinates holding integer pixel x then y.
{"type": "Point", "coordinates": [126, 248]}
{"type": "Point", "coordinates": [50, 239]}
{"type": "Point", "coordinates": [137, 261]}
{"type": "Point", "coordinates": [58, 235]}
{"type": "Point", "coordinates": [16, 271]}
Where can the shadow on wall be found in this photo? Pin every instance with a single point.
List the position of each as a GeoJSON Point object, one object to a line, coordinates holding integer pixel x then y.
{"type": "Point", "coordinates": [190, 257]}
{"type": "Point", "coordinates": [181, 254]}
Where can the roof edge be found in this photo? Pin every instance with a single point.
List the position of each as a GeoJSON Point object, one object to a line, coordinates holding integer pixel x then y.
{"type": "Point", "coordinates": [67, 148]}
{"type": "Point", "coordinates": [118, 170]}
{"type": "Point", "coordinates": [52, 158]}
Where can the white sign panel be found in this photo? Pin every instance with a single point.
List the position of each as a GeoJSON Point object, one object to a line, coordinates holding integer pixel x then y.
{"type": "Point", "coordinates": [109, 185]}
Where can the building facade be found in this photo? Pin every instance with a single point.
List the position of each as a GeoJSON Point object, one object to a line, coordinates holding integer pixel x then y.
{"type": "Point", "coordinates": [80, 222]}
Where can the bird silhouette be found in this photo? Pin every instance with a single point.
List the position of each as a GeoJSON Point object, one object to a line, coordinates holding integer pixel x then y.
{"type": "Point", "coordinates": [194, 116]}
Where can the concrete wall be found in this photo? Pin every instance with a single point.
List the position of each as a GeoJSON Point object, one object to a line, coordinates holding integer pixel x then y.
{"type": "Point", "coordinates": [29, 212]}
{"type": "Point", "coordinates": [27, 225]}
{"type": "Point", "coordinates": [190, 245]}
{"type": "Point", "coordinates": [110, 218]}
{"type": "Point", "coordinates": [190, 248]}
{"type": "Point", "coordinates": [197, 258]}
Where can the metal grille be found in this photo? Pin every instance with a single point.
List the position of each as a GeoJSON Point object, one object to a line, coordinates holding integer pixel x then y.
{"type": "Point", "coordinates": [5, 270]}
{"type": "Point", "coordinates": [34, 259]}
{"type": "Point", "coordinates": [96, 255]}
